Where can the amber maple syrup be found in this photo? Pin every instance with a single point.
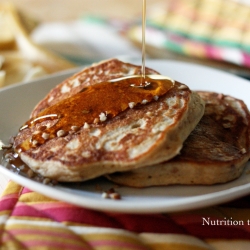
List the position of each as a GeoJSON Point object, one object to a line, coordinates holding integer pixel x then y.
{"type": "Point", "coordinates": [95, 104]}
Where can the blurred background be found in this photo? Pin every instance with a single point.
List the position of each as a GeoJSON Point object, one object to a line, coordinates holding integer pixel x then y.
{"type": "Point", "coordinates": [57, 10]}
{"type": "Point", "coordinates": [46, 36]}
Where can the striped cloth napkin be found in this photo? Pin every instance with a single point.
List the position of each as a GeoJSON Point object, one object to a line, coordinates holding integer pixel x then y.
{"type": "Point", "coordinates": [29, 220]}
{"type": "Point", "coordinates": [208, 29]}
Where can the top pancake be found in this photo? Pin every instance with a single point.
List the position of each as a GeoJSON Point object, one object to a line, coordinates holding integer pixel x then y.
{"type": "Point", "coordinates": [140, 136]}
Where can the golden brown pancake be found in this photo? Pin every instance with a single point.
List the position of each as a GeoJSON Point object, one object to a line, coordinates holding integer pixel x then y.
{"type": "Point", "coordinates": [215, 152]}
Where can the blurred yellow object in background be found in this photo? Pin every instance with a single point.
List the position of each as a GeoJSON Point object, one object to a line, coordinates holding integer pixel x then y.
{"type": "Point", "coordinates": [21, 59]}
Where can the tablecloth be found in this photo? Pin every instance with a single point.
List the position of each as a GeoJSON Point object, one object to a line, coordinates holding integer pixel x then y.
{"type": "Point", "coordinates": [29, 220]}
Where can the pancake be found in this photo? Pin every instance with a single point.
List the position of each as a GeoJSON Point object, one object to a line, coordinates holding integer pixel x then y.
{"type": "Point", "coordinates": [216, 151]}
{"type": "Point", "coordinates": [145, 134]}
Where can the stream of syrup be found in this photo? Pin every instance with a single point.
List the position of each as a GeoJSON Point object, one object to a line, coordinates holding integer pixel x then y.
{"type": "Point", "coordinates": [143, 52]}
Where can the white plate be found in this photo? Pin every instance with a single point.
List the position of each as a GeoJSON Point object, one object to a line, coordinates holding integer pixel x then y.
{"type": "Point", "coordinates": [17, 101]}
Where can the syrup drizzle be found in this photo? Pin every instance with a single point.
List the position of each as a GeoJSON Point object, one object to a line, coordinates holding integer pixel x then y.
{"type": "Point", "coordinates": [94, 105]}
{"type": "Point", "coordinates": [143, 41]}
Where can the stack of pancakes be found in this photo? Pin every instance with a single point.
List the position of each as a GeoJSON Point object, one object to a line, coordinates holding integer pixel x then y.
{"type": "Point", "coordinates": [182, 137]}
